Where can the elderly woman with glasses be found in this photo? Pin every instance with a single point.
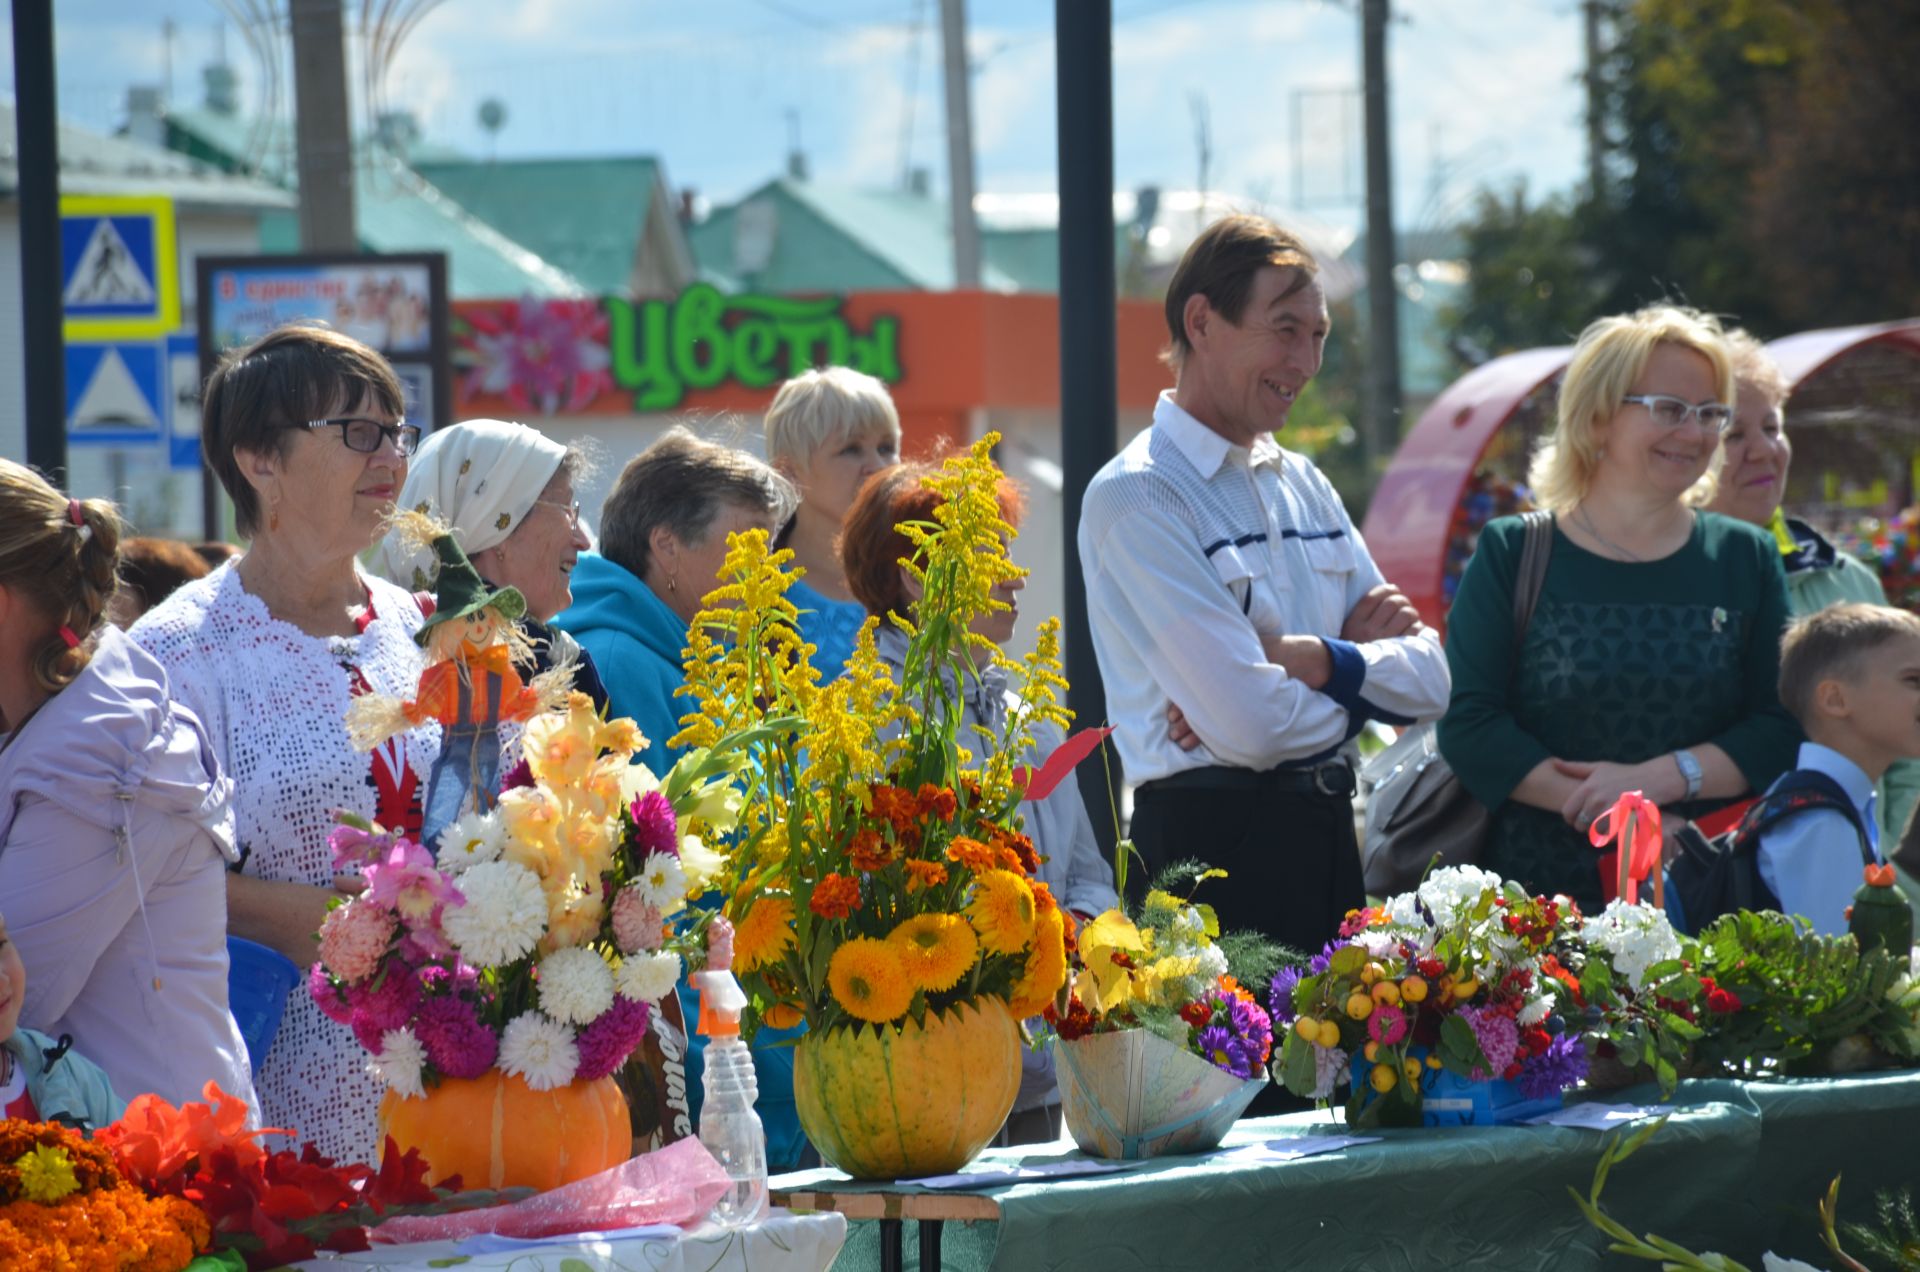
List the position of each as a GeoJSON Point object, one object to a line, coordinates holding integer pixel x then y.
{"type": "Point", "coordinates": [1651, 657]}
{"type": "Point", "coordinates": [508, 492]}
{"type": "Point", "coordinates": [304, 429]}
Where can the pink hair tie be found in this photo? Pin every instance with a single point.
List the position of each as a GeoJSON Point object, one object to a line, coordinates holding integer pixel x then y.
{"type": "Point", "coordinates": [75, 515]}
{"type": "Point", "coordinates": [66, 634]}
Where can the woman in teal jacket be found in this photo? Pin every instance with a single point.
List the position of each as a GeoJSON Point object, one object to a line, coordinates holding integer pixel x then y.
{"type": "Point", "coordinates": [663, 539]}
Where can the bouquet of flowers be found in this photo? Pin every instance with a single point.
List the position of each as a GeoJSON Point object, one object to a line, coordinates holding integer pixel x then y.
{"type": "Point", "coordinates": [269, 1207]}
{"type": "Point", "coordinates": [1455, 976]}
{"type": "Point", "coordinates": [537, 941]}
{"type": "Point", "coordinates": [878, 873]}
{"type": "Point", "coordinates": [1628, 975]}
{"type": "Point", "coordinates": [1167, 974]}
{"type": "Point", "coordinates": [65, 1204]}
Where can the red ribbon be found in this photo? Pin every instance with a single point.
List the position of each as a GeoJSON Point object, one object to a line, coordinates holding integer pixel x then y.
{"type": "Point", "coordinates": [1040, 783]}
{"type": "Point", "coordinates": [1632, 825]}
{"type": "Point", "coordinates": [74, 513]}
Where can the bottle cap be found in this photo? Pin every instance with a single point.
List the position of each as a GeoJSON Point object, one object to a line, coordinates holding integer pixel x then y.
{"type": "Point", "coordinates": [721, 1002]}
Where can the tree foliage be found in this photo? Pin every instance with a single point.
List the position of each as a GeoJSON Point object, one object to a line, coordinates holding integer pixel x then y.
{"type": "Point", "coordinates": [1762, 162]}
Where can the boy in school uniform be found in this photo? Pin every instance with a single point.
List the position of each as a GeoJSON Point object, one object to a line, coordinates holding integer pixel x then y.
{"type": "Point", "coordinates": [1851, 675]}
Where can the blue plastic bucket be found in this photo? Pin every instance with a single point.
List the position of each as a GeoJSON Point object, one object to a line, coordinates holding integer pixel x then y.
{"type": "Point", "coordinates": [258, 982]}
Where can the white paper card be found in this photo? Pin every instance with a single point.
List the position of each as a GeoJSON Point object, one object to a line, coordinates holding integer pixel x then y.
{"type": "Point", "coordinates": [1294, 1147]}
{"type": "Point", "coordinates": [1597, 1117]}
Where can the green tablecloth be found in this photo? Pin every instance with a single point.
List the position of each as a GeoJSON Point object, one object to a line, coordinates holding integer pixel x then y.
{"type": "Point", "coordinates": [1738, 1168]}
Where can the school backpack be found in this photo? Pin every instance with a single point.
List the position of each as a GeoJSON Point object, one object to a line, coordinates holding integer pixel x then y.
{"type": "Point", "coordinates": [1712, 877]}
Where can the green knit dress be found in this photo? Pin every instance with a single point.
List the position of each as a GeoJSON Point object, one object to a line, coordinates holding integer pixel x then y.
{"type": "Point", "coordinates": [1622, 662]}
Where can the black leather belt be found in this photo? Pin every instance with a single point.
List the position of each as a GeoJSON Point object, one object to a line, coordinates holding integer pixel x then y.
{"type": "Point", "coordinates": [1333, 778]}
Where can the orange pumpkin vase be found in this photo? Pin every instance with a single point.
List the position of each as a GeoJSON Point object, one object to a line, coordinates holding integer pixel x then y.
{"type": "Point", "coordinates": [495, 1132]}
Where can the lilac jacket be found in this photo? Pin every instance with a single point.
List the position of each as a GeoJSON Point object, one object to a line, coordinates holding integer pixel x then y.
{"type": "Point", "coordinates": [116, 828]}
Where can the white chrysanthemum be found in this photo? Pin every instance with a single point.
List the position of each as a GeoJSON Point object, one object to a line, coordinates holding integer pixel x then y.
{"type": "Point", "coordinates": [647, 978]}
{"type": "Point", "coordinates": [702, 865]}
{"type": "Point", "coordinates": [1635, 937]}
{"type": "Point", "coordinates": [1536, 1010]}
{"type": "Point", "coordinates": [505, 914]}
{"type": "Point", "coordinates": [662, 884]}
{"type": "Point", "coordinates": [473, 840]}
{"type": "Point", "coordinates": [576, 985]}
{"type": "Point", "coordinates": [400, 1062]}
{"type": "Point", "coordinates": [1444, 892]}
{"type": "Point", "coordinates": [1378, 942]}
{"type": "Point", "coordinates": [540, 1051]}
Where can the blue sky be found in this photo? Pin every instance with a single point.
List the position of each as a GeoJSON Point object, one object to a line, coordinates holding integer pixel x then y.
{"type": "Point", "coordinates": [1483, 91]}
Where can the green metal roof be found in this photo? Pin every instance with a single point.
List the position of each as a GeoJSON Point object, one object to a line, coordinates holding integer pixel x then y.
{"type": "Point", "coordinates": [828, 238]}
{"type": "Point", "coordinates": [583, 215]}
{"type": "Point", "coordinates": [395, 210]}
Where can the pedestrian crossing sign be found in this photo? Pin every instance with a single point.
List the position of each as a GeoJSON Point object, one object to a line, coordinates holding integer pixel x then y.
{"type": "Point", "coordinates": [119, 270]}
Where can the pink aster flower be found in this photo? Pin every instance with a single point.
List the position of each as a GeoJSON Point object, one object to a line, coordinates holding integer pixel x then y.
{"type": "Point", "coordinates": [1499, 1037]}
{"type": "Point", "coordinates": [456, 1042]}
{"type": "Point", "coordinates": [610, 1039]}
{"type": "Point", "coordinates": [655, 829]}
{"type": "Point", "coordinates": [406, 881]}
{"type": "Point", "coordinates": [385, 1002]}
{"type": "Point", "coordinates": [636, 925]}
{"type": "Point", "coordinates": [332, 1003]}
{"type": "Point", "coordinates": [352, 939]}
{"type": "Point", "coordinates": [1387, 1025]}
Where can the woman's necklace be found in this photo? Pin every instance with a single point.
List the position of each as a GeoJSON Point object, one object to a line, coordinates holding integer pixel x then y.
{"type": "Point", "coordinates": [1586, 523]}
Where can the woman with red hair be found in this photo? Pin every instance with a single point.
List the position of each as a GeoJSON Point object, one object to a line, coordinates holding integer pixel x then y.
{"type": "Point", "coordinates": [872, 549]}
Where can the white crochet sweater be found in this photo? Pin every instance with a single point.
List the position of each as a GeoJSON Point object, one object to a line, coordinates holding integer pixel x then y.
{"type": "Point", "coordinates": [274, 702]}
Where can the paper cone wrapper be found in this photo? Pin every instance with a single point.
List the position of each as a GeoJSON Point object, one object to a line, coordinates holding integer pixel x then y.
{"type": "Point", "coordinates": [1133, 1094]}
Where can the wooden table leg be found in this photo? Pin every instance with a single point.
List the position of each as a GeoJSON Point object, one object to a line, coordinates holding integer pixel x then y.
{"type": "Point", "coordinates": [893, 1239]}
{"type": "Point", "coordinates": [930, 1244]}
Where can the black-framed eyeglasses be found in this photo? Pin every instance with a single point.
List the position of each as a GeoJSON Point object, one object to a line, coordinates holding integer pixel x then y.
{"type": "Point", "coordinates": [571, 509]}
{"type": "Point", "coordinates": [365, 435]}
{"type": "Point", "coordinates": [1670, 412]}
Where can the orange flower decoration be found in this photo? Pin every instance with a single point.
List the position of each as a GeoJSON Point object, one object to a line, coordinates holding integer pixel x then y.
{"type": "Point", "coordinates": [924, 874]}
{"type": "Point", "coordinates": [870, 852]}
{"type": "Point", "coordinates": [972, 854]}
{"type": "Point", "coordinates": [898, 808]}
{"type": "Point", "coordinates": [835, 897]}
{"type": "Point", "coordinates": [155, 1140]}
{"type": "Point", "coordinates": [937, 801]}
{"type": "Point", "coordinates": [1015, 852]}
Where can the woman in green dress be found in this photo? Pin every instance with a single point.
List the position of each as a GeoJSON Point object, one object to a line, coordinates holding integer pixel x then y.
{"type": "Point", "coordinates": [1651, 658]}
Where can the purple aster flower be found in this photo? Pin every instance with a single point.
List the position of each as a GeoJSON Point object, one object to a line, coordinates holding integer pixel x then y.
{"type": "Point", "coordinates": [1561, 1065]}
{"type": "Point", "coordinates": [456, 1042]}
{"type": "Point", "coordinates": [1212, 1044]}
{"type": "Point", "coordinates": [609, 1040]}
{"type": "Point", "coordinates": [1280, 995]}
{"type": "Point", "coordinates": [386, 1001]}
{"type": "Point", "coordinates": [1319, 962]}
{"type": "Point", "coordinates": [655, 829]}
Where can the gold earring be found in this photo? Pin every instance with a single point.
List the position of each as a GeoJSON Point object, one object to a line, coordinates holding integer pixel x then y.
{"type": "Point", "coordinates": [673, 582]}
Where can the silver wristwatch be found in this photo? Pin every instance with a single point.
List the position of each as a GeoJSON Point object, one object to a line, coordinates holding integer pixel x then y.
{"type": "Point", "coordinates": [1690, 770]}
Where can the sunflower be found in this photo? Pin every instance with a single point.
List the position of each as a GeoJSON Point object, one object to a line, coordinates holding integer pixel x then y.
{"type": "Point", "coordinates": [763, 933]}
{"type": "Point", "coordinates": [869, 981]}
{"type": "Point", "coordinates": [1002, 911]}
{"type": "Point", "coordinates": [1046, 967]}
{"type": "Point", "coordinates": [936, 950]}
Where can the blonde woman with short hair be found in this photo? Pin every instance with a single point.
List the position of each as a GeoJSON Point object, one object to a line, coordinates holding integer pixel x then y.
{"type": "Point", "coordinates": [829, 430]}
{"type": "Point", "coordinates": [1651, 658]}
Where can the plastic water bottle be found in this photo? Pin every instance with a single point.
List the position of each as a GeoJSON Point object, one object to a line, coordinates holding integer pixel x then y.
{"type": "Point", "coordinates": [729, 1127]}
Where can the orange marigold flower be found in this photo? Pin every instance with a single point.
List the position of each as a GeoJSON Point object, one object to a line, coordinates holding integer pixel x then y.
{"type": "Point", "coordinates": [937, 801]}
{"type": "Point", "coordinates": [1043, 898]}
{"type": "Point", "coordinates": [835, 897]}
{"type": "Point", "coordinates": [924, 874]}
{"type": "Point", "coordinates": [972, 854]}
{"type": "Point", "coordinates": [1016, 852]}
{"type": "Point", "coordinates": [870, 851]}
{"type": "Point", "coordinates": [898, 808]}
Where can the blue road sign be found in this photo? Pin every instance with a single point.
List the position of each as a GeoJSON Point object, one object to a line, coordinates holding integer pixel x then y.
{"type": "Point", "coordinates": [183, 401]}
{"type": "Point", "coordinates": [115, 393]}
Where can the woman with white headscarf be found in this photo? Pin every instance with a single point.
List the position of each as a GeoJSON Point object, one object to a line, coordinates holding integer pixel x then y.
{"type": "Point", "coordinates": [508, 492]}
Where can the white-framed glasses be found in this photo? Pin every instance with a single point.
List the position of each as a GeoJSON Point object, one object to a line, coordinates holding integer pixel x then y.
{"type": "Point", "coordinates": [1670, 412]}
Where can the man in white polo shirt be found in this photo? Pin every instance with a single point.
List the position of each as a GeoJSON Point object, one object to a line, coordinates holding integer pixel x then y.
{"type": "Point", "coordinates": [1244, 633]}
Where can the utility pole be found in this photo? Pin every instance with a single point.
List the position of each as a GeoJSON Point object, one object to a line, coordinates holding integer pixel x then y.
{"type": "Point", "coordinates": [1596, 106]}
{"type": "Point", "coordinates": [37, 145]}
{"type": "Point", "coordinates": [1089, 360]}
{"type": "Point", "coordinates": [1382, 430]}
{"type": "Point", "coordinates": [966, 230]}
{"type": "Point", "coordinates": [323, 128]}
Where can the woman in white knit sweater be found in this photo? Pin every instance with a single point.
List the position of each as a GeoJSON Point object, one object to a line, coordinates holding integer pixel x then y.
{"type": "Point", "coordinates": [304, 429]}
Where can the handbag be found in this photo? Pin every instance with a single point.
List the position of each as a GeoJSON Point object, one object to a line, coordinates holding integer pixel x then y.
{"type": "Point", "coordinates": [1417, 809]}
